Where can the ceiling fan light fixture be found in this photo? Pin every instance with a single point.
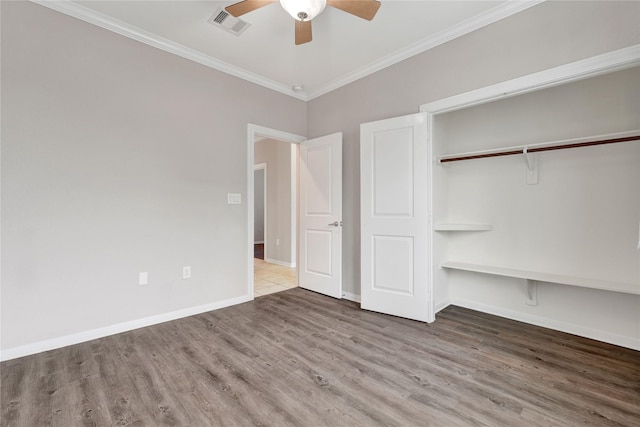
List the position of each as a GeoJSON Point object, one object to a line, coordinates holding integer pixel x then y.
{"type": "Point", "coordinates": [303, 10]}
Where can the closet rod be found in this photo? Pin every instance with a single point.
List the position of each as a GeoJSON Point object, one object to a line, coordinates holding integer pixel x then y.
{"type": "Point", "coordinates": [539, 149]}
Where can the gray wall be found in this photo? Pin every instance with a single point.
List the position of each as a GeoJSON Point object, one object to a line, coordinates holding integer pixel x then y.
{"type": "Point", "coordinates": [116, 159]}
{"type": "Point", "coordinates": [277, 156]}
{"type": "Point", "coordinates": [258, 206]}
{"type": "Point", "coordinates": [547, 35]}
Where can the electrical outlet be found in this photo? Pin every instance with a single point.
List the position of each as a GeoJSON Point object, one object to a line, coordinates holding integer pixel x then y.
{"type": "Point", "coordinates": [234, 198]}
{"type": "Point", "coordinates": [143, 278]}
{"type": "Point", "coordinates": [186, 272]}
{"type": "Point", "coordinates": [277, 242]}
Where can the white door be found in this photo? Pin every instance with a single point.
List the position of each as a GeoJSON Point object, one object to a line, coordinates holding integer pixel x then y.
{"type": "Point", "coordinates": [395, 217]}
{"type": "Point", "coordinates": [321, 215]}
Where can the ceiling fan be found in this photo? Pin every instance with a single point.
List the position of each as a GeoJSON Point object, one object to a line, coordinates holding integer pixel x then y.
{"type": "Point", "coordinates": [303, 11]}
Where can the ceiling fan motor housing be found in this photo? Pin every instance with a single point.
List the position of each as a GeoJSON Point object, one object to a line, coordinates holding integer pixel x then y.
{"type": "Point", "coordinates": [304, 10]}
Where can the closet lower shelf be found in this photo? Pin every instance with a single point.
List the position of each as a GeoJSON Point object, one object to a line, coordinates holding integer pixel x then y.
{"type": "Point", "coordinates": [627, 288]}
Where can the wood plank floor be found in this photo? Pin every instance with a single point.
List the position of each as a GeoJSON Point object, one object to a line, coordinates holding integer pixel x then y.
{"type": "Point", "coordinates": [258, 250]}
{"type": "Point", "coordinates": [297, 358]}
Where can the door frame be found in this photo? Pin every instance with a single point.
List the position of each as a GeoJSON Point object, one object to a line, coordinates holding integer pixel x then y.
{"type": "Point", "coordinates": [254, 131]}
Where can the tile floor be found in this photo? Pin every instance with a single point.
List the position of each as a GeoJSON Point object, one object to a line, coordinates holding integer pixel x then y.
{"type": "Point", "coordinates": [269, 278]}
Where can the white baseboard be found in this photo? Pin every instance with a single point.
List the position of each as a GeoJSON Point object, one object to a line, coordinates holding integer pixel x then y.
{"type": "Point", "coordinates": [54, 343]}
{"type": "Point", "coordinates": [441, 305]}
{"type": "Point", "coordinates": [571, 328]}
{"type": "Point", "coordinates": [282, 263]}
{"type": "Point", "coordinates": [351, 297]}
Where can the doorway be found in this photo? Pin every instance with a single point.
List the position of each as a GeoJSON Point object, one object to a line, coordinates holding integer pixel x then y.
{"type": "Point", "coordinates": [274, 216]}
{"type": "Point", "coordinates": [273, 183]}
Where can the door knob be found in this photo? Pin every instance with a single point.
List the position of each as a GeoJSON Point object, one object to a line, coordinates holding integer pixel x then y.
{"type": "Point", "coordinates": [335, 224]}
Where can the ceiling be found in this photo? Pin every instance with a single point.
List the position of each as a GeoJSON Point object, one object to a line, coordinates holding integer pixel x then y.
{"type": "Point", "coordinates": [344, 47]}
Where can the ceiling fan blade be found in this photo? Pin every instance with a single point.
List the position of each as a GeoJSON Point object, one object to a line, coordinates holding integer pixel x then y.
{"type": "Point", "coordinates": [303, 32]}
{"type": "Point", "coordinates": [246, 6]}
{"type": "Point", "coordinates": [365, 9]}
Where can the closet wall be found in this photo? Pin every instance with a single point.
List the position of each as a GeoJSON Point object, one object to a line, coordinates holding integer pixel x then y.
{"type": "Point", "coordinates": [581, 219]}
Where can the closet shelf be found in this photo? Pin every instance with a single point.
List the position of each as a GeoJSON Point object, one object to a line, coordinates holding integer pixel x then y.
{"type": "Point", "coordinates": [627, 288]}
{"type": "Point", "coordinates": [463, 227]}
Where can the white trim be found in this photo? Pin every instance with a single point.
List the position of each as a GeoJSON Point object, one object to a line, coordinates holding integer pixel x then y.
{"type": "Point", "coordinates": [254, 132]}
{"type": "Point", "coordinates": [54, 343]}
{"type": "Point", "coordinates": [441, 305]}
{"type": "Point", "coordinates": [495, 14]}
{"type": "Point", "coordinates": [293, 177]}
{"type": "Point", "coordinates": [278, 262]}
{"type": "Point", "coordinates": [260, 242]}
{"type": "Point", "coordinates": [108, 23]}
{"type": "Point", "coordinates": [351, 297]}
{"type": "Point", "coordinates": [570, 328]}
{"type": "Point", "coordinates": [601, 64]}
{"type": "Point", "coordinates": [83, 13]}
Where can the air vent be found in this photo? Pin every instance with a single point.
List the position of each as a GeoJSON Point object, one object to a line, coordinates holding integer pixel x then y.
{"type": "Point", "coordinates": [222, 19]}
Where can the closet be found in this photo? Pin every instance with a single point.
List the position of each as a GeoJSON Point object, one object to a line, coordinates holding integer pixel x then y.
{"type": "Point", "coordinates": [536, 207]}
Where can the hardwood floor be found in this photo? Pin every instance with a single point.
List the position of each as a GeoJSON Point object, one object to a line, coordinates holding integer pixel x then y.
{"type": "Point", "coordinates": [258, 250]}
{"type": "Point", "coordinates": [299, 358]}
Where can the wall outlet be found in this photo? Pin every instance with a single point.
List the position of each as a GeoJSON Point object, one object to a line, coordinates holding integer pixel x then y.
{"type": "Point", "coordinates": [143, 278]}
{"type": "Point", "coordinates": [234, 198]}
{"type": "Point", "coordinates": [277, 242]}
{"type": "Point", "coordinates": [186, 272]}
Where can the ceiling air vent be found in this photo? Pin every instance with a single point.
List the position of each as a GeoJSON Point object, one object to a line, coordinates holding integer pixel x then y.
{"type": "Point", "coordinates": [222, 19]}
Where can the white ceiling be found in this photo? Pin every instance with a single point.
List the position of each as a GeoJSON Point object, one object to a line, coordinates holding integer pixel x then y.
{"type": "Point", "coordinates": [344, 47]}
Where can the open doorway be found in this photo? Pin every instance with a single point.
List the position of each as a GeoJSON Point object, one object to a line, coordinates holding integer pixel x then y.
{"type": "Point", "coordinates": [273, 214]}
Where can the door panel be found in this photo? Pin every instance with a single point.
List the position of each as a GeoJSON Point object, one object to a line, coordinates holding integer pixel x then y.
{"type": "Point", "coordinates": [319, 252]}
{"type": "Point", "coordinates": [395, 217]}
{"type": "Point", "coordinates": [393, 173]}
{"type": "Point", "coordinates": [321, 215]}
{"type": "Point", "coordinates": [318, 164]}
{"type": "Point", "coordinates": [397, 252]}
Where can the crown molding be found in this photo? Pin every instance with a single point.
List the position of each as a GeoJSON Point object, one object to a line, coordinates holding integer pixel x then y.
{"type": "Point", "coordinates": [92, 17]}
{"type": "Point", "coordinates": [495, 14]}
{"type": "Point", "coordinates": [482, 20]}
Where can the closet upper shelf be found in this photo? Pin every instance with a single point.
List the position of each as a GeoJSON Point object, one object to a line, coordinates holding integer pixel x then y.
{"type": "Point", "coordinates": [610, 138]}
{"type": "Point", "coordinates": [463, 227]}
{"type": "Point", "coordinates": [627, 288]}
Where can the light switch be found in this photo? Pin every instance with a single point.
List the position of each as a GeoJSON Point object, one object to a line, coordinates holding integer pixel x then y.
{"type": "Point", "coordinates": [234, 198]}
{"type": "Point", "coordinates": [143, 278]}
